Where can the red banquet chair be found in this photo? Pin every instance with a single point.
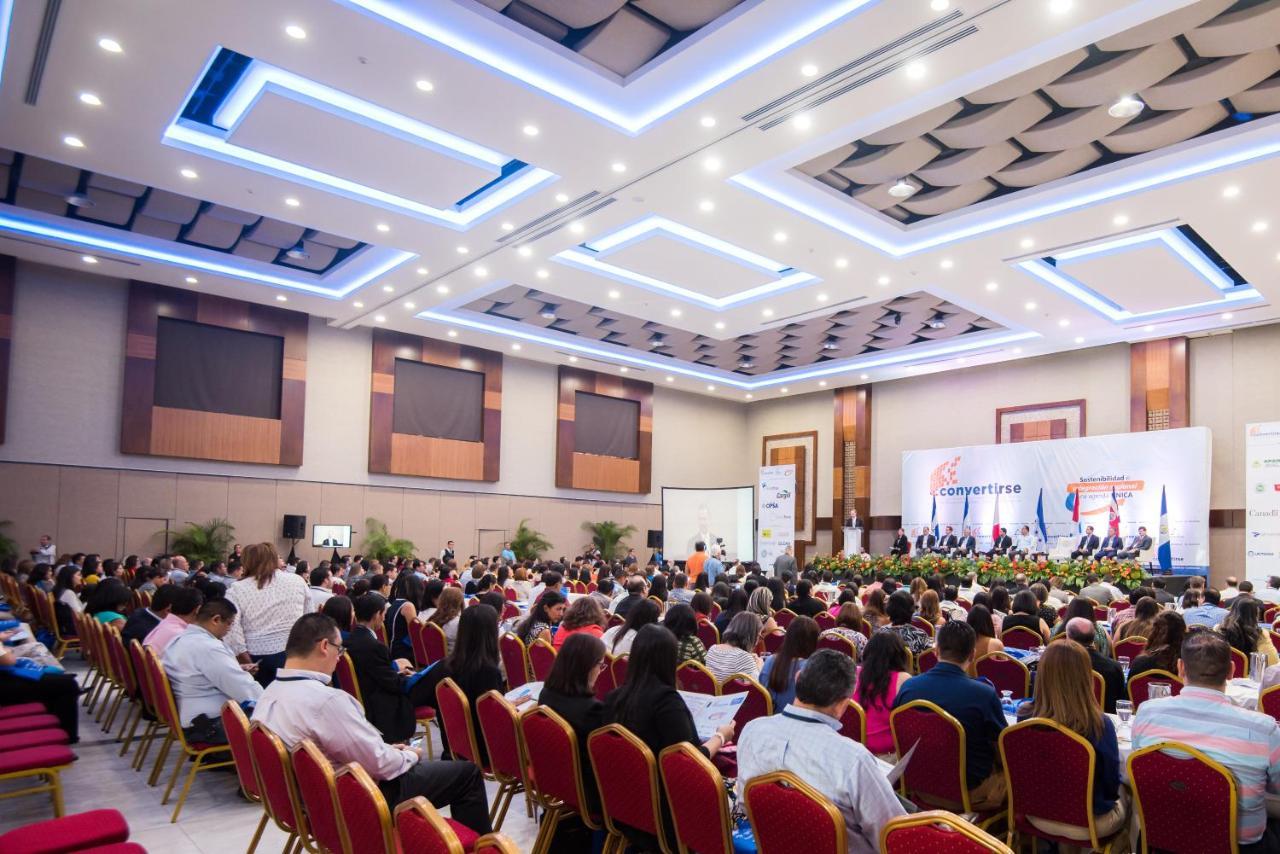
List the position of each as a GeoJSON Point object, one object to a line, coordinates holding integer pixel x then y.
{"type": "Point", "coordinates": [926, 660]}
{"type": "Point", "coordinates": [156, 723]}
{"type": "Point", "coordinates": [935, 777]}
{"type": "Point", "coordinates": [363, 814]}
{"type": "Point", "coordinates": [419, 827]}
{"type": "Point", "coordinates": [853, 723]}
{"type": "Point", "coordinates": [1140, 685]}
{"type": "Point", "coordinates": [345, 675]}
{"type": "Point", "coordinates": [1099, 688]}
{"type": "Point", "coordinates": [1269, 702]}
{"type": "Point", "coordinates": [695, 677]}
{"type": "Point", "coordinates": [699, 802]}
{"type": "Point", "coordinates": [604, 682]}
{"type": "Point", "coordinates": [72, 833]}
{"type": "Point", "coordinates": [825, 620]}
{"type": "Point", "coordinates": [434, 642]}
{"type": "Point", "coordinates": [1239, 664]}
{"type": "Point", "coordinates": [514, 660]}
{"type": "Point", "coordinates": [418, 643]}
{"type": "Point", "coordinates": [625, 772]}
{"type": "Point", "coordinates": [1006, 673]}
{"type": "Point", "coordinates": [618, 668]}
{"type": "Point", "coordinates": [1131, 647]}
{"type": "Point", "coordinates": [708, 633]}
{"type": "Point", "coordinates": [555, 773]}
{"type": "Point", "coordinates": [500, 728]}
{"type": "Point", "coordinates": [1185, 801]}
{"type": "Point", "coordinates": [1049, 770]}
{"type": "Point", "coordinates": [924, 625]}
{"type": "Point", "coordinates": [236, 726]}
{"type": "Point", "coordinates": [542, 656]}
{"type": "Point", "coordinates": [278, 785]}
{"type": "Point", "coordinates": [839, 644]}
{"type": "Point", "coordinates": [773, 641]}
{"type": "Point", "coordinates": [784, 617]}
{"type": "Point", "coordinates": [1020, 637]}
{"type": "Point", "coordinates": [318, 794]}
{"type": "Point", "coordinates": [788, 815]}
{"type": "Point", "coordinates": [937, 830]}
{"type": "Point", "coordinates": [759, 703]}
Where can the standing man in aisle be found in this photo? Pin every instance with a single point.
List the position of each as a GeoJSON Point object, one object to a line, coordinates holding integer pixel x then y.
{"type": "Point", "coordinates": [713, 567]}
{"type": "Point", "coordinates": [47, 552]}
{"type": "Point", "coordinates": [784, 563]}
{"type": "Point", "coordinates": [446, 554]}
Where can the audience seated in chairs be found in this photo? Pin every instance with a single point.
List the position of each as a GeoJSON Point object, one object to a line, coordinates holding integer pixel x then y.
{"type": "Point", "coordinates": [341, 609]}
{"type": "Point", "coordinates": [736, 651]}
{"type": "Point", "coordinates": [204, 674]}
{"type": "Point", "coordinates": [1240, 628]}
{"type": "Point", "coordinates": [1082, 632]}
{"type": "Point", "coordinates": [682, 621]}
{"type": "Point", "coordinates": [1164, 646]}
{"type": "Point", "coordinates": [849, 626]}
{"type": "Point", "coordinates": [383, 681]}
{"type": "Point", "coordinates": [805, 604]}
{"type": "Point", "coordinates": [885, 668]}
{"type": "Point", "coordinates": [570, 692]}
{"type": "Point", "coordinates": [900, 609]}
{"type": "Point", "coordinates": [780, 669]}
{"type": "Point", "coordinates": [805, 740]}
{"type": "Point", "coordinates": [300, 704]}
{"type": "Point", "coordinates": [184, 602]}
{"type": "Point", "coordinates": [585, 616]}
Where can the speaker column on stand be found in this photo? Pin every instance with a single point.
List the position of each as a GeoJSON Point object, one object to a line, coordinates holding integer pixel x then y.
{"type": "Point", "coordinates": [295, 528]}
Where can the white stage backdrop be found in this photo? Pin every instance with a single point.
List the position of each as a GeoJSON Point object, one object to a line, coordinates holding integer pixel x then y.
{"type": "Point", "coordinates": [776, 514]}
{"type": "Point", "coordinates": [1262, 501]}
{"type": "Point", "coordinates": [1035, 482]}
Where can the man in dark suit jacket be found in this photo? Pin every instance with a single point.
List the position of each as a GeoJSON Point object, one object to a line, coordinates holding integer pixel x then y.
{"type": "Point", "coordinates": [1088, 544]}
{"type": "Point", "coordinates": [1110, 546]}
{"type": "Point", "coordinates": [901, 545]}
{"type": "Point", "coordinates": [968, 544]}
{"type": "Point", "coordinates": [925, 541]}
{"type": "Point", "coordinates": [1002, 544]}
{"type": "Point", "coordinates": [1137, 544]}
{"type": "Point", "coordinates": [382, 681]}
{"type": "Point", "coordinates": [946, 542]}
{"type": "Point", "coordinates": [1081, 631]}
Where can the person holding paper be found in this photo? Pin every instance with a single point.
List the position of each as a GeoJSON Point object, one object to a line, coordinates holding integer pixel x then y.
{"type": "Point", "coordinates": [805, 740]}
{"type": "Point", "coordinates": [383, 681]}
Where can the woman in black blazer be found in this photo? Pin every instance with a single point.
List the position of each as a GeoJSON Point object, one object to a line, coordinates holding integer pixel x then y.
{"type": "Point", "coordinates": [570, 692]}
{"type": "Point", "coordinates": [472, 664]}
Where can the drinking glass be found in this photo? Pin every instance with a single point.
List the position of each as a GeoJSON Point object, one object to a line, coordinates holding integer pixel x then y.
{"type": "Point", "coordinates": [1124, 710]}
{"type": "Point", "coordinates": [1158, 690]}
{"type": "Point", "coordinates": [1257, 664]}
{"type": "Point", "coordinates": [1124, 663]}
{"type": "Point", "coordinates": [1006, 697]}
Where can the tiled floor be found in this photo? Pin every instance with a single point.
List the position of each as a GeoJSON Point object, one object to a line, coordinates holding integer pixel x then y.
{"type": "Point", "coordinates": [214, 820]}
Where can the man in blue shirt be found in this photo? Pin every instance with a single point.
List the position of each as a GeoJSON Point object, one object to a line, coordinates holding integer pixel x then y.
{"type": "Point", "coordinates": [713, 566]}
{"type": "Point", "coordinates": [973, 703]}
{"type": "Point", "coordinates": [1208, 613]}
{"type": "Point", "coordinates": [507, 554]}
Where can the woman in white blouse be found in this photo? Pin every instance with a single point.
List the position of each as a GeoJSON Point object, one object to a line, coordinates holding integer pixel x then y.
{"type": "Point", "coordinates": [268, 602]}
{"type": "Point", "coordinates": [736, 652]}
{"type": "Point", "coordinates": [618, 640]}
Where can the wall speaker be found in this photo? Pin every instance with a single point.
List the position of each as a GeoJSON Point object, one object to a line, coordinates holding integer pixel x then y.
{"type": "Point", "coordinates": [295, 527]}
{"type": "Point", "coordinates": [655, 540]}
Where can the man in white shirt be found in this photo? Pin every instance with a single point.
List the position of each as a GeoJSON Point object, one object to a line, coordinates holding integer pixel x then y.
{"type": "Point", "coordinates": [300, 704]}
{"type": "Point", "coordinates": [47, 551]}
{"type": "Point", "coordinates": [1271, 593]}
{"type": "Point", "coordinates": [805, 740]}
{"type": "Point", "coordinates": [971, 588]}
{"type": "Point", "coordinates": [321, 589]}
{"type": "Point", "coordinates": [204, 674]}
{"type": "Point", "coordinates": [1232, 590]}
{"type": "Point", "coordinates": [1025, 542]}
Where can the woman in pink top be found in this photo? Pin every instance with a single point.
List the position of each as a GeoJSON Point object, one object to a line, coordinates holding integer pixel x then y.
{"type": "Point", "coordinates": [884, 669]}
{"type": "Point", "coordinates": [584, 617]}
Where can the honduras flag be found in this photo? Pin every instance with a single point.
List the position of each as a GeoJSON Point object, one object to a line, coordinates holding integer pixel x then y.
{"type": "Point", "coordinates": [933, 517]}
{"type": "Point", "coordinates": [964, 520]}
{"type": "Point", "coordinates": [1044, 531]}
{"type": "Point", "coordinates": [1164, 552]}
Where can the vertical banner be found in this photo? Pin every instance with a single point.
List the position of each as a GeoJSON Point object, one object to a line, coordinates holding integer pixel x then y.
{"type": "Point", "coordinates": [775, 513]}
{"type": "Point", "coordinates": [1262, 501]}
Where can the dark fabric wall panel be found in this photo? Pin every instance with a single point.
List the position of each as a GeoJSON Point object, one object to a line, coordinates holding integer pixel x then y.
{"type": "Point", "coordinates": [608, 426]}
{"type": "Point", "coordinates": [443, 403]}
{"type": "Point", "coordinates": [215, 369]}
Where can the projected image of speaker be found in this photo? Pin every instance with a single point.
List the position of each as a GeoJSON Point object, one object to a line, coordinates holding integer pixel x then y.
{"type": "Point", "coordinates": [295, 527]}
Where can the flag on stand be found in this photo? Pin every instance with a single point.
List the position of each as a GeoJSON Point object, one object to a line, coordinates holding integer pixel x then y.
{"type": "Point", "coordinates": [995, 523]}
{"type": "Point", "coordinates": [964, 520]}
{"type": "Point", "coordinates": [933, 517]}
{"type": "Point", "coordinates": [1075, 508]}
{"type": "Point", "coordinates": [1113, 521]}
{"type": "Point", "coordinates": [1164, 551]}
{"type": "Point", "coordinates": [1044, 531]}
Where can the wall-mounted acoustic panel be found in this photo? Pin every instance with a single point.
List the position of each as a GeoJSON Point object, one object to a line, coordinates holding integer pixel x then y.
{"type": "Point", "coordinates": [211, 378]}
{"type": "Point", "coordinates": [604, 432]}
{"type": "Point", "coordinates": [436, 408]}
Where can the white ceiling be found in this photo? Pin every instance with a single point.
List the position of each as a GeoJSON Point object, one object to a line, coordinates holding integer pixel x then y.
{"type": "Point", "coordinates": [637, 150]}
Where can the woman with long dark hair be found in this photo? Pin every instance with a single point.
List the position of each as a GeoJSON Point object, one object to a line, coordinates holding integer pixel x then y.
{"type": "Point", "coordinates": [1142, 621]}
{"type": "Point", "coordinates": [618, 640]}
{"type": "Point", "coordinates": [682, 621]}
{"type": "Point", "coordinates": [780, 669]}
{"type": "Point", "coordinates": [108, 601]}
{"type": "Point", "coordinates": [1164, 645]}
{"type": "Point", "coordinates": [1026, 614]}
{"type": "Point", "coordinates": [448, 613]}
{"type": "Point", "coordinates": [268, 600]}
{"type": "Point", "coordinates": [874, 611]}
{"type": "Point", "coordinates": [472, 663]}
{"type": "Point", "coordinates": [979, 619]}
{"type": "Point", "coordinates": [885, 665]}
{"type": "Point", "coordinates": [734, 605]}
{"type": "Point", "coordinates": [406, 601]}
{"type": "Point", "coordinates": [341, 611]}
{"type": "Point", "coordinates": [658, 588]}
{"type": "Point", "coordinates": [543, 615]}
{"type": "Point", "coordinates": [1240, 628]}
{"type": "Point", "coordinates": [66, 586]}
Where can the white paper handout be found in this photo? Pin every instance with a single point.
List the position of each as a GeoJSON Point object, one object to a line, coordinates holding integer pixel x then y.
{"type": "Point", "coordinates": [524, 697]}
{"type": "Point", "coordinates": [711, 712]}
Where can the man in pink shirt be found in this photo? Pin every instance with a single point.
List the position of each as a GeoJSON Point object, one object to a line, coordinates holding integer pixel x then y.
{"type": "Point", "coordinates": [182, 613]}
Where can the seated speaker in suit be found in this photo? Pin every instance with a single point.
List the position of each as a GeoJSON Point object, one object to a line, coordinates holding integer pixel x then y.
{"type": "Point", "coordinates": [1088, 544]}
{"type": "Point", "coordinates": [901, 545]}
{"type": "Point", "coordinates": [947, 542]}
{"type": "Point", "coordinates": [968, 544]}
{"type": "Point", "coordinates": [1110, 545]}
{"type": "Point", "coordinates": [1001, 544]}
{"type": "Point", "coordinates": [1137, 544]}
{"type": "Point", "coordinates": [382, 680]}
{"type": "Point", "coordinates": [925, 541]}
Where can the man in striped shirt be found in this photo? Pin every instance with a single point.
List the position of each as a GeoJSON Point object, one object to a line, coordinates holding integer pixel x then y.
{"type": "Point", "coordinates": [1246, 742]}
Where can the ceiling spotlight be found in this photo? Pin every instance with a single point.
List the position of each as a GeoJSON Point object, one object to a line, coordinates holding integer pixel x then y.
{"type": "Point", "coordinates": [831, 344]}
{"type": "Point", "coordinates": [481, 272]}
{"type": "Point", "coordinates": [91, 99]}
{"type": "Point", "coordinates": [530, 130]}
{"type": "Point", "coordinates": [508, 226]}
{"type": "Point", "coordinates": [1227, 316]}
{"type": "Point", "coordinates": [110, 45]}
{"type": "Point", "coordinates": [453, 333]}
{"type": "Point", "coordinates": [809, 70]}
{"type": "Point", "coordinates": [1230, 191]}
{"type": "Point", "coordinates": [780, 237]}
{"type": "Point", "coordinates": [189, 174]}
{"type": "Point", "coordinates": [547, 313]}
{"type": "Point", "coordinates": [802, 121]}
{"type": "Point", "coordinates": [573, 359]}
{"type": "Point", "coordinates": [946, 263]}
{"type": "Point", "coordinates": [993, 286]}
{"type": "Point", "coordinates": [768, 312]}
{"type": "Point", "coordinates": [380, 318]}
{"type": "Point", "coordinates": [298, 252]}
{"type": "Point", "coordinates": [939, 5]}
{"type": "Point", "coordinates": [623, 369]}
{"type": "Point", "coordinates": [864, 377]}
{"type": "Point", "coordinates": [711, 388]}
{"type": "Point", "coordinates": [88, 259]}
{"type": "Point", "coordinates": [294, 31]}
{"type": "Point", "coordinates": [388, 289]}
{"type": "Point", "coordinates": [1259, 226]}
{"type": "Point", "coordinates": [383, 227]}
{"type": "Point", "coordinates": [515, 346]}
{"type": "Point", "coordinates": [1026, 243]}
{"type": "Point", "coordinates": [1064, 323]}
{"type": "Point", "coordinates": [749, 395]}
{"type": "Point", "coordinates": [707, 121]}
{"type": "Point", "coordinates": [1120, 220]}
{"type": "Point", "coordinates": [1017, 350]}
{"type": "Point", "coordinates": [1125, 107]}
{"type": "Point", "coordinates": [281, 298]}
{"type": "Point", "coordinates": [410, 306]}
{"type": "Point", "coordinates": [425, 86]}
{"type": "Point", "coordinates": [1148, 328]}
{"type": "Point", "coordinates": [542, 273]}
{"type": "Point", "coordinates": [916, 70]}
{"type": "Point", "coordinates": [670, 378]}
{"type": "Point", "coordinates": [784, 389]}
{"type": "Point", "coordinates": [462, 250]}
{"type": "Point", "coordinates": [675, 312]}
{"type": "Point", "coordinates": [746, 364]}
{"type": "Point", "coordinates": [79, 200]}
{"type": "Point", "coordinates": [822, 383]}
{"type": "Point", "coordinates": [902, 188]}
{"type": "Point", "coordinates": [706, 206]}
{"type": "Point", "coordinates": [614, 294]}
{"type": "Point", "coordinates": [882, 281]}
{"type": "Point", "coordinates": [73, 141]}
{"type": "Point", "coordinates": [841, 263]}
{"type": "Point", "coordinates": [618, 167]}
{"type": "Point", "coordinates": [422, 271]}
{"type": "Point", "coordinates": [525, 251]}
{"type": "Point", "coordinates": [719, 324]}
{"type": "Point", "coordinates": [562, 197]}
{"type": "Point", "coordinates": [358, 304]}
{"type": "Point", "coordinates": [442, 289]}
{"type": "Point", "coordinates": [1059, 7]}
{"type": "Point", "coordinates": [937, 322]}
{"type": "Point", "coordinates": [711, 164]}
{"type": "Point", "coordinates": [1031, 306]}
{"type": "Point", "coordinates": [292, 202]}
{"type": "Point", "coordinates": [575, 227]}
{"type": "Point", "coordinates": [192, 280]}
{"type": "Point", "coordinates": [1079, 339]}
{"type": "Point", "coordinates": [822, 297]}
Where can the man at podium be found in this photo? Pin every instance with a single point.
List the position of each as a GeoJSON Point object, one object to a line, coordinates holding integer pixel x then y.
{"type": "Point", "coordinates": [853, 534]}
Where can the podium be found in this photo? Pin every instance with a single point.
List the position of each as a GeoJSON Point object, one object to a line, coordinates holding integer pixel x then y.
{"type": "Point", "coordinates": [852, 541]}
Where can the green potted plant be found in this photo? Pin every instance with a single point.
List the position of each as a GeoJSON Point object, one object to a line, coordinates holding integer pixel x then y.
{"type": "Point", "coordinates": [608, 537]}
{"type": "Point", "coordinates": [8, 548]}
{"type": "Point", "coordinates": [527, 543]}
{"type": "Point", "coordinates": [208, 542]}
{"type": "Point", "coordinates": [380, 545]}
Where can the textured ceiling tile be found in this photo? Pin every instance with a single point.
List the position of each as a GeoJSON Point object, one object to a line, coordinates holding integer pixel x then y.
{"type": "Point", "coordinates": [1166, 26]}
{"type": "Point", "coordinates": [255, 251]}
{"type": "Point", "coordinates": [875, 196]}
{"type": "Point", "coordinates": [1216, 80]}
{"type": "Point", "coordinates": [161, 204]}
{"type": "Point", "coordinates": [210, 231]}
{"type": "Point", "coordinates": [334, 240]}
{"type": "Point", "coordinates": [913, 127]}
{"type": "Point", "coordinates": [969, 166]}
{"type": "Point", "coordinates": [834, 181]}
{"type": "Point", "coordinates": [948, 199]}
{"type": "Point", "coordinates": [1029, 80]}
{"type": "Point", "coordinates": [159, 228]}
{"type": "Point", "coordinates": [827, 161]}
{"type": "Point", "coordinates": [685, 15]}
{"type": "Point", "coordinates": [1263, 98]}
{"type": "Point", "coordinates": [6, 156]}
{"type": "Point", "coordinates": [235, 215]}
{"type": "Point", "coordinates": [1165, 129]}
{"type": "Point", "coordinates": [889, 164]}
{"type": "Point", "coordinates": [38, 200]}
{"type": "Point", "coordinates": [115, 185]}
{"type": "Point", "coordinates": [1078, 127]}
{"type": "Point", "coordinates": [1243, 31]}
{"type": "Point", "coordinates": [495, 5]}
{"type": "Point", "coordinates": [538, 22]}
{"type": "Point", "coordinates": [318, 257]}
{"type": "Point", "coordinates": [995, 123]}
{"type": "Point", "coordinates": [4, 174]}
{"type": "Point", "coordinates": [273, 232]}
{"type": "Point", "coordinates": [1048, 167]}
{"type": "Point", "coordinates": [624, 42]}
{"type": "Point", "coordinates": [108, 207]}
{"type": "Point", "coordinates": [48, 177]}
{"type": "Point", "coordinates": [1121, 75]}
{"type": "Point", "coordinates": [577, 14]}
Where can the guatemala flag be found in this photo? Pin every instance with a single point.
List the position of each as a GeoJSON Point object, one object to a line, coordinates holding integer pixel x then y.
{"type": "Point", "coordinates": [1164, 552]}
{"type": "Point", "coordinates": [1044, 531]}
{"type": "Point", "coordinates": [933, 517]}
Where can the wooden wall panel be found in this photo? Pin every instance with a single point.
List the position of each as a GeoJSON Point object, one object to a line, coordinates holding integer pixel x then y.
{"type": "Point", "coordinates": [591, 471]}
{"type": "Point", "coordinates": [1061, 419]}
{"type": "Point", "coordinates": [1159, 385]}
{"type": "Point", "coordinates": [159, 431]}
{"type": "Point", "coordinates": [423, 456]}
{"type": "Point", "coordinates": [8, 275]}
{"type": "Point", "coordinates": [852, 425]}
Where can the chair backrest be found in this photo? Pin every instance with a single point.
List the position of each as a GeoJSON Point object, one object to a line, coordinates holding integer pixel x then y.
{"type": "Point", "coordinates": [627, 777]}
{"type": "Point", "coordinates": [555, 770]}
{"type": "Point", "coordinates": [604, 682]}
{"type": "Point", "coordinates": [499, 726]}
{"type": "Point", "coordinates": [838, 643]}
{"type": "Point", "coordinates": [236, 726]}
{"type": "Point", "coordinates": [937, 830]}
{"type": "Point", "coordinates": [1099, 688]}
{"type": "Point", "coordinates": [1006, 673]}
{"type": "Point", "coordinates": [455, 717]}
{"type": "Point", "coordinates": [1130, 648]}
{"type": "Point", "coordinates": [1185, 801]}
{"type": "Point", "coordinates": [708, 633]}
{"type": "Point", "coordinates": [1020, 637]}
{"type": "Point", "coordinates": [968, 606]}
{"type": "Point", "coordinates": [542, 656]}
{"type": "Point", "coordinates": [1140, 685]}
{"type": "Point", "coordinates": [514, 660]}
{"type": "Point", "coordinates": [788, 815]}
{"type": "Point", "coordinates": [495, 843]}
{"type": "Point", "coordinates": [616, 620]}
{"type": "Point", "coordinates": [935, 776]}
{"type": "Point", "coordinates": [699, 803]}
{"type": "Point", "coordinates": [166, 706]}
{"type": "Point", "coordinates": [423, 830]}
{"type": "Point", "coordinates": [927, 660]}
{"type": "Point", "coordinates": [1049, 769]}
{"type": "Point", "coordinates": [773, 641]}
{"type": "Point", "coordinates": [923, 625]}
{"type": "Point", "coordinates": [366, 821]}
{"type": "Point", "coordinates": [715, 609]}
{"type": "Point", "coordinates": [825, 620]}
{"type": "Point", "coordinates": [121, 665]}
{"type": "Point", "coordinates": [759, 703]}
{"type": "Point", "coordinates": [1269, 702]}
{"type": "Point", "coordinates": [1120, 605]}
{"type": "Point", "coordinates": [1100, 614]}
{"type": "Point", "coordinates": [276, 780]}
{"type": "Point", "coordinates": [418, 642]}
{"type": "Point", "coordinates": [137, 655]}
{"type": "Point", "coordinates": [434, 642]}
{"type": "Point", "coordinates": [345, 673]}
{"type": "Point", "coordinates": [695, 677]}
{"type": "Point", "coordinates": [510, 611]}
{"type": "Point", "coordinates": [618, 667]}
{"type": "Point", "coordinates": [510, 594]}
{"type": "Point", "coordinates": [784, 617]}
{"type": "Point", "coordinates": [318, 793]}
{"type": "Point", "coordinates": [853, 723]}
{"type": "Point", "coordinates": [1239, 664]}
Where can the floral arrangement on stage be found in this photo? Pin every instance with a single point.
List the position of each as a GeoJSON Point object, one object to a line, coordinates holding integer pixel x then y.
{"type": "Point", "coordinates": [1128, 573]}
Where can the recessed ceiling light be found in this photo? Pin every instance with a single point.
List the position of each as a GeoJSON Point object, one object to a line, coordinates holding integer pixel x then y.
{"type": "Point", "coordinates": [508, 226]}
{"type": "Point", "coordinates": [711, 164]}
{"type": "Point", "coordinates": [1259, 226]}
{"type": "Point", "coordinates": [575, 227]}
{"type": "Point", "coordinates": [993, 286]}
{"type": "Point", "coordinates": [358, 304]}
{"type": "Point", "coordinates": [614, 294]}
{"type": "Point", "coordinates": [902, 188]}
{"type": "Point", "coordinates": [864, 377]}
{"type": "Point", "coordinates": [822, 383]}
{"type": "Point", "coordinates": [91, 99]}
{"type": "Point", "coordinates": [547, 314]}
{"type": "Point", "coordinates": [882, 281]}
{"type": "Point", "coordinates": [190, 174]}
{"type": "Point", "coordinates": [822, 297]}
{"type": "Point", "coordinates": [1031, 306]}
{"type": "Point", "coordinates": [294, 31]}
{"type": "Point", "coordinates": [425, 86]}
{"type": "Point", "coordinates": [442, 289]}
{"type": "Point", "coordinates": [711, 388]}
{"type": "Point", "coordinates": [192, 280]}
{"type": "Point", "coordinates": [768, 312]}
{"type": "Point", "coordinates": [1120, 220]}
{"type": "Point", "coordinates": [462, 250]}
{"type": "Point", "coordinates": [707, 121]}
{"type": "Point", "coordinates": [88, 259]}
{"type": "Point", "coordinates": [1064, 323]}
{"type": "Point", "coordinates": [1230, 191]}
{"type": "Point", "coordinates": [706, 206]}
{"type": "Point", "coordinates": [281, 298]}
{"type": "Point", "coordinates": [939, 5]}
{"type": "Point", "coordinates": [422, 271]}
{"type": "Point", "coordinates": [719, 324]}
{"type": "Point", "coordinates": [624, 369]}
{"type": "Point", "coordinates": [1017, 350]}
{"type": "Point", "coordinates": [675, 312]}
{"type": "Point", "coordinates": [530, 130]}
{"type": "Point", "coordinates": [380, 318]}
{"type": "Point", "coordinates": [784, 389]}
{"type": "Point", "coordinates": [946, 263]}
{"type": "Point", "coordinates": [388, 289]}
{"type": "Point", "coordinates": [525, 251]}
{"type": "Point", "coordinates": [73, 141]}
{"type": "Point", "coordinates": [410, 306]}
{"type": "Point", "coordinates": [573, 359]}
{"type": "Point", "coordinates": [809, 70]}
{"type": "Point", "coordinates": [515, 346]}
{"type": "Point", "coordinates": [1125, 107]}
{"type": "Point", "coordinates": [618, 167]}
{"type": "Point", "coordinates": [542, 273]}
{"type": "Point", "coordinates": [562, 197]}
{"type": "Point", "coordinates": [1026, 243]}
{"type": "Point", "coordinates": [383, 227]}
{"type": "Point", "coordinates": [481, 272]}
{"type": "Point", "coordinates": [110, 45]}
{"type": "Point", "coordinates": [1059, 7]}
{"type": "Point", "coordinates": [802, 121]}
{"type": "Point", "coordinates": [453, 333]}
{"type": "Point", "coordinates": [1148, 328]}
{"type": "Point", "coordinates": [1079, 339]}
{"type": "Point", "coordinates": [292, 202]}
{"type": "Point", "coordinates": [780, 237]}
{"type": "Point", "coordinates": [1227, 316]}
{"type": "Point", "coordinates": [748, 395]}
{"type": "Point", "coordinates": [916, 70]}
{"type": "Point", "coordinates": [670, 378]}
{"type": "Point", "coordinates": [841, 263]}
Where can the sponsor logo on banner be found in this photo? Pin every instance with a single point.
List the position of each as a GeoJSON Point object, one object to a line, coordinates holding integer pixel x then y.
{"type": "Point", "coordinates": [1253, 553]}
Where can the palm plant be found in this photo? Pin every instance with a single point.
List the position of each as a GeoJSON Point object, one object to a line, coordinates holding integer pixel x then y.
{"type": "Point", "coordinates": [208, 542]}
{"type": "Point", "coordinates": [8, 548]}
{"type": "Point", "coordinates": [608, 537]}
{"type": "Point", "coordinates": [380, 545]}
{"type": "Point", "coordinates": [527, 543]}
